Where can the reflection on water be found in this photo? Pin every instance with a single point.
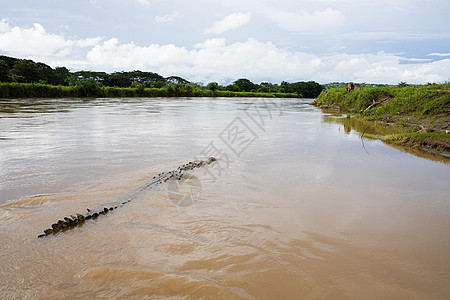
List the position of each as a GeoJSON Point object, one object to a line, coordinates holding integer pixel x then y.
{"type": "Point", "coordinates": [369, 129]}
{"type": "Point", "coordinates": [444, 158]}
{"type": "Point", "coordinates": [304, 212]}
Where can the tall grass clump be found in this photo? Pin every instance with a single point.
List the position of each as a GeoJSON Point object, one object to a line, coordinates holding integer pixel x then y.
{"type": "Point", "coordinates": [416, 101]}
{"type": "Point", "coordinates": [419, 100]}
{"type": "Point", "coordinates": [355, 101]}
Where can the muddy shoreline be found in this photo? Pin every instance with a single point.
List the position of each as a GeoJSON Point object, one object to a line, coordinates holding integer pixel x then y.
{"type": "Point", "coordinates": [433, 143]}
{"type": "Point", "coordinates": [414, 117]}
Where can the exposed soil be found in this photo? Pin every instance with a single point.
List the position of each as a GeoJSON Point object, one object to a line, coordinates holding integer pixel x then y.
{"type": "Point", "coordinates": [431, 144]}
{"type": "Point", "coordinates": [437, 123]}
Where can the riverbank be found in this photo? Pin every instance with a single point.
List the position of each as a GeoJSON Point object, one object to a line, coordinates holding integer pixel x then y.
{"type": "Point", "coordinates": [91, 90]}
{"type": "Point", "coordinates": [420, 115]}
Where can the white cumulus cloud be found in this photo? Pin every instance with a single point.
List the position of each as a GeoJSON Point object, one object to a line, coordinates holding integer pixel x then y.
{"type": "Point", "coordinates": [32, 41]}
{"type": "Point", "coordinates": [230, 22]}
{"type": "Point", "coordinates": [216, 60]}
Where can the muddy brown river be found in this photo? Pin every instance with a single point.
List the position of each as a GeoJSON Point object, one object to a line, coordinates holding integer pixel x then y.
{"type": "Point", "coordinates": [295, 207]}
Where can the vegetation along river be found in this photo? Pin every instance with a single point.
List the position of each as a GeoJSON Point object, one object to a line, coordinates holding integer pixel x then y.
{"type": "Point", "coordinates": [293, 207]}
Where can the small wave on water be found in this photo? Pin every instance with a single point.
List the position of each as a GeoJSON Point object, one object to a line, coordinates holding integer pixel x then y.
{"type": "Point", "coordinates": [40, 200]}
{"type": "Point", "coordinates": [129, 283]}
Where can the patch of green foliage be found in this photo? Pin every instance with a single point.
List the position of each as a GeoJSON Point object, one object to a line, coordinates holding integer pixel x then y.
{"type": "Point", "coordinates": [90, 88]}
{"type": "Point", "coordinates": [355, 101]}
{"type": "Point", "coordinates": [36, 90]}
{"type": "Point", "coordinates": [416, 100]}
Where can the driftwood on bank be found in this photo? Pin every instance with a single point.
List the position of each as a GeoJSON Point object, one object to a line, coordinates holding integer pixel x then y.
{"type": "Point", "coordinates": [381, 100]}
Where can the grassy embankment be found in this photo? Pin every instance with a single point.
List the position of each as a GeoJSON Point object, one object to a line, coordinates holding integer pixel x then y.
{"type": "Point", "coordinates": [35, 90]}
{"type": "Point", "coordinates": [419, 115]}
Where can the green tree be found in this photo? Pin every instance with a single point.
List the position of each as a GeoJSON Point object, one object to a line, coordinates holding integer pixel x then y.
{"type": "Point", "coordinates": [148, 79]}
{"type": "Point", "coordinates": [99, 77]}
{"type": "Point", "coordinates": [303, 89]}
{"type": "Point", "coordinates": [213, 86]}
{"type": "Point", "coordinates": [176, 80]}
{"type": "Point", "coordinates": [244, 85]}
{"type": "Point", "coordinates": [62, 75]}
{"type": "Point", "coordinates": [10, 61]}
{"type": "Point", "coordinates": [88, 88]}
{"type": "Point", "coordinates": [48, 75]}
{"type": "Point", "coordinates": [266, 87]}
{"type": "Point", "coordinates": [26, 71]}
{"type": "Point", "coordinates": [314, 89]}
{"type": "Point", "coordinates": [140, 88]}
{"type": "Point", "coordinates": [286, 87]}
{"type": "Point", "coordinates": [119, 79]}
{"type": "Point", "coordinates": [189, 90]}
{"type": "Point", "coordinates": [156, 84]}
{"type": "Point", "coordinates": [4, 71]}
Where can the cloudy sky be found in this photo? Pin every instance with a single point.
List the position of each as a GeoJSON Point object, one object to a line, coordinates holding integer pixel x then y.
{"type": "Point", "coordinates": [376, 41]}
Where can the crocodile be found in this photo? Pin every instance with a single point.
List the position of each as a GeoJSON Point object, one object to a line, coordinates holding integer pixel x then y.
{"type": "Point", "coordinates": [68, 223]}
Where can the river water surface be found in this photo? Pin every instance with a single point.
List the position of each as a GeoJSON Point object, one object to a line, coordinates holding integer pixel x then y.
{"type": "Point", "coordinates": [295, 207]}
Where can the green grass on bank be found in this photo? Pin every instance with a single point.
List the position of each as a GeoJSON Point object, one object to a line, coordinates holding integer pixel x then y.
{"type": "Point", "coordinates": [419, 101]}
{"type": "Point", "coordinates": [34, 90]}
{"type": "Point", "coordinates": [420, 113]}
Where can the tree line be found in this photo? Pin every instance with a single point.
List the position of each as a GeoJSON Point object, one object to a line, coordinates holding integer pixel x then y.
{"type": "Point", "coordinates": [24, 71]}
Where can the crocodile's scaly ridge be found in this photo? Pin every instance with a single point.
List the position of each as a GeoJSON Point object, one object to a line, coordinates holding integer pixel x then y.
{"type": "Point", "coordinates": [74, 221]}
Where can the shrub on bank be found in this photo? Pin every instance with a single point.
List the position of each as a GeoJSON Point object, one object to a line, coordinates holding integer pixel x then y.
{"type": "Point", "coordinates": [89, 88]}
